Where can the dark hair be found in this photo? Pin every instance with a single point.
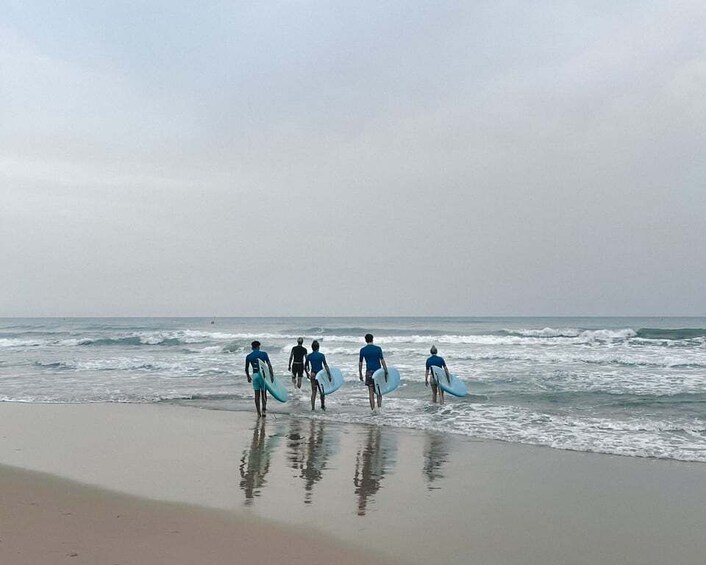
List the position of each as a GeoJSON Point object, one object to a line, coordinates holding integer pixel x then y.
{"type": "Point", "coordinates": [300, 340]}
{"type": "Point", "coordinates": [315, 345]}
{"type": "Point", "coordinates": [433, 350]}
{"type": "Point", "coordinates": [255, 344]}
{"type": "Point", "coordinates": [368, 338]}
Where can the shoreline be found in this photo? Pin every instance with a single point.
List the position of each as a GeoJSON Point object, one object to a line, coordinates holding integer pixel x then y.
{"type": "Point", "coordinates": [484, 500]}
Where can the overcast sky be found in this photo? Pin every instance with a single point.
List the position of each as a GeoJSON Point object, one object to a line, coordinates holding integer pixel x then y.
{"type": "Point", "coordinates": [352, 158]}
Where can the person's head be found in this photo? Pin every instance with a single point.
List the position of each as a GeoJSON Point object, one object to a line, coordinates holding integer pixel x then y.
{"type": "Point", "coordinates": [433, 350]}
{"type": "Point", "coordinates": [255, 344]}
{"type": "Point", "coordinates": [315, 345]}
{"type": "Point", "coordinates": [300, 340]}
{"type": "Point", "coordinates": [368, 338]}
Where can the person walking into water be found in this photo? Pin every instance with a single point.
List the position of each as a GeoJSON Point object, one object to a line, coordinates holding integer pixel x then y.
{"type": "Point", "coordinates": [435, 361]}
{"type": "Point", "coordinates": [315, 362]}
{"type": "Point", "coordinates": [296, 362]}
{"type": "Point", "coordinates": [373, 361]}
{"type": "Point", "coordinates": [254, 359]}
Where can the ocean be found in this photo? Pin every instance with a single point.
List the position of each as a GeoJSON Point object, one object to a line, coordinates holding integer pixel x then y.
{"type": "Point", "coordinates": [624, 386]}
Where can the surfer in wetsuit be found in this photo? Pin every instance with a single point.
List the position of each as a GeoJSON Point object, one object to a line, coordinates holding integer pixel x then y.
{"type": "Point", "coordinates": [253, 359]}
{"type": "Point", "coordinates": [315, 362]}
{"type": "Point", "coordinates": [296, 362]}
{"type": "Point", "coordinates": [373, 361]}
{"type": "Point", "coordinates": [435, 361]}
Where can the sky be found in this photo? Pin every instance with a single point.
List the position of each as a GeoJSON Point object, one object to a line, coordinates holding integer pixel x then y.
{"type": "Point", "coordinates": [295, 158]}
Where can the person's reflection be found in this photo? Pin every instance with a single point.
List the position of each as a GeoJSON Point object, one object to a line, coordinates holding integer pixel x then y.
{"type": "Point", "coordinates": [295, 444]}
{"type": "Point", "coordinates": [309, 453]}
{"type": "Point", "coordinates": [318, 450]}
{"type": "Point", "coordinates": [436, 453]}
{"type": "Point", "coordinates": [370, 466]}
{"type": "Point", "coordinates": [255, 463]}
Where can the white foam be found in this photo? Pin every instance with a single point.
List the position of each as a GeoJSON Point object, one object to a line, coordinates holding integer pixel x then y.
{"type": "Point", "coordinates": [546, 332]}
{"type": "Point", "coordinates": [14, 342]}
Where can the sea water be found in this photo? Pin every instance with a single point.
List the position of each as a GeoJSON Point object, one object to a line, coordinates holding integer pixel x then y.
{"type": "Point", "coordinates": [626, 386]}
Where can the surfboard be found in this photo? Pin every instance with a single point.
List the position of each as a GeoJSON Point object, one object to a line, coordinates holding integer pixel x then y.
{"type": "Point", "coordinates": [451, 384]}
{"type": "Point", "coordinates": [273, 385]}
{"type": "Point", "coordinates": [328, 385]}
{"type": "Point", "coordinates": [384, 385]}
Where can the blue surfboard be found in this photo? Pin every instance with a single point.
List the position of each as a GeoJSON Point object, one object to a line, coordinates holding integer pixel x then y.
{"type": "Point", "coordinates": [273, 385]}
{"type": "Point", "coordinates": [451, 383]}
{"type": "Point", "coordinates": [327, 384]}
{"type": "Point", "coordinates": [385, 384]}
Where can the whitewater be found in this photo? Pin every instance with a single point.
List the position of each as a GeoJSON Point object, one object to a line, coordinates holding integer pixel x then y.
{"type": "Point", "coordinates": [622, 386]}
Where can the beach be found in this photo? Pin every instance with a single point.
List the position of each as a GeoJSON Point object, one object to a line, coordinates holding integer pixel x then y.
{"type": "Point", "coordinates": [364, 492]}
{"type": "Point", "coordinates": [488, 215]}
{"type": "Point", "coordinates": [619, 386]}
{"type": "Point", "coordinates": [50, 520]}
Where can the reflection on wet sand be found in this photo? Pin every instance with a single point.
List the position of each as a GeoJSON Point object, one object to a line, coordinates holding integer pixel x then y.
{"type": "Point", "coordinates": [255, 462]}
{"type": "Point", "coordinates": [374, 457]}
{"type": "Point", "coordinates": [310, 445]}
{"type": "Point", "coordinates": [436, 454]}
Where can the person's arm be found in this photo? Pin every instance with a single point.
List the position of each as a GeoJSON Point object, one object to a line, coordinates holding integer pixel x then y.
{"type": "Point", "coordinates": [307, 366]}
{"type": "Point", "coordinates": [447, 371]}
{"type": "Point", "coordinates": [291, 356]}
{"type": "Point", "coordinates": [384, 365]}
{"type": "Point", "coordinates": [426, 376]}
{"type": "Point", "coordinates": [328, 371]}
{"type": "Point", "coordinates": [360, 367]}
{"type": "Point", "coordinates": [247, 371]}
{"type": "Point", "coordinates": [267, 360]}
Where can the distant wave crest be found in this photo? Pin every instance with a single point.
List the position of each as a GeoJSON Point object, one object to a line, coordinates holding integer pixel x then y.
{"type": "Point", "coordinates": [671, 334]}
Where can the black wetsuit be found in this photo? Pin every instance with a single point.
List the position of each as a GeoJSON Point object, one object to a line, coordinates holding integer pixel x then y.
{"type": "Point", "coordinates": [298, 355]}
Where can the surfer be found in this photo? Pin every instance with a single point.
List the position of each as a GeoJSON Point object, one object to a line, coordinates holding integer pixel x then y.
{"type": "Point", "coordinates": [296, 362]}
{"type": "Point", "coordinates": [373, 361]}
{"type": "Point", "coordinates": [315, 362]}
{"type": "Point", "coordinates": [435, 361]}
{"type": "Point", "coordinates": [254, 358]}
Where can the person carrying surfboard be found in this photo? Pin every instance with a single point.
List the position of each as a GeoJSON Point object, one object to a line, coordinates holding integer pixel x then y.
{"type": "Point", "coordinates": [373, 361]}
{"type": "Point", "coordinates": [296, 362]}
{"type": "Point", "coordinates": [253, 359]}
{"type": "Point", "coordinates": [435, 361]}
{"type": "Point", "coordinates": [315, 362]}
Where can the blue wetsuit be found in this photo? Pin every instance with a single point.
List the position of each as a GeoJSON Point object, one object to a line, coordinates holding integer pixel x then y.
{"type": "Point", "coordinates": [316, 361]}
{"type": "Point", "coordinates": [253, 359]}
{"type": "Point", "coordinates": [372, 355]}
{"type": "Point", "coordinates": [435, 361]}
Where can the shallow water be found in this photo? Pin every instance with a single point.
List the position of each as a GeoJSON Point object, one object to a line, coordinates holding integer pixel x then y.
{"type": "Point", "coordinates": [627, 386]}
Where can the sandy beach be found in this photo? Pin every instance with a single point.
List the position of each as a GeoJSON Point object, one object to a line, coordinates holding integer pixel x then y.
{"type": "Point", "coordinates": [194, 485]}
{"type": "Point", "coordinates": [45, 519]}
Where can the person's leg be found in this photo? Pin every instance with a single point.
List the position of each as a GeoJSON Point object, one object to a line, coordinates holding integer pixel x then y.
{"type": "Point", "coordinates": [263, 394]}
{"type": "Point", "coordinates": [257, 402]}
{"type": "Point", "coordinates": [371, 388]}
{"type": "Point", "coordinates": [379, 400]}
{"type": "Point", "coordinates": [433, 393]}
{"type": "Point", "coordinates": [441, 395]}
{"type": "Point", "coordinates": [323, 405]}
{"type": "Point", "coordinates": [313, 393]}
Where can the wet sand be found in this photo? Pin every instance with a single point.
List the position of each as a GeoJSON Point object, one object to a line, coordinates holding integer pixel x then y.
{"type": "Point", "coordinates": [408, 496]}
{"type": "Point", "coordinates": [45, 519]}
